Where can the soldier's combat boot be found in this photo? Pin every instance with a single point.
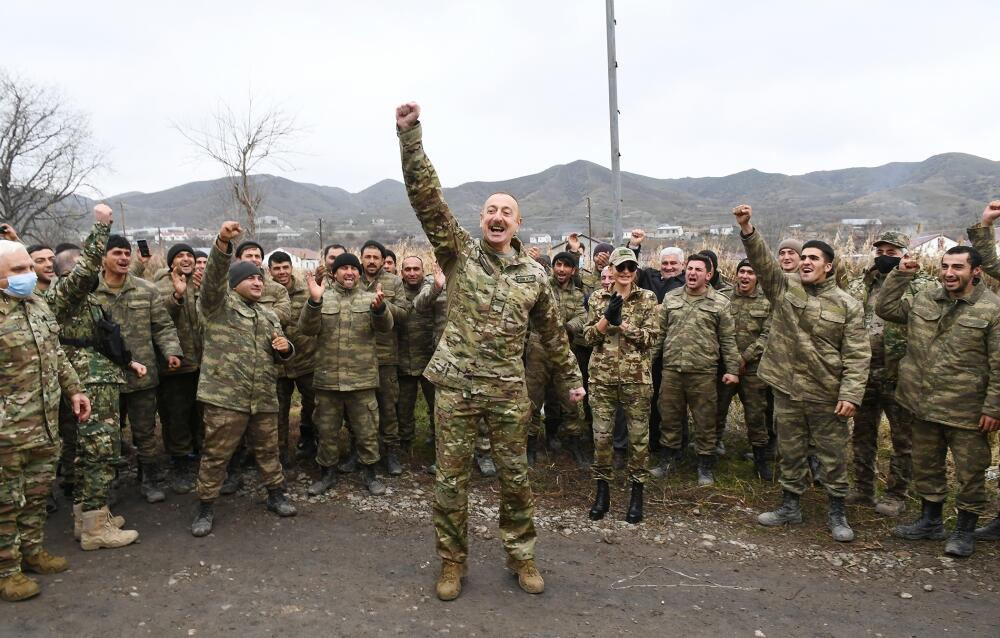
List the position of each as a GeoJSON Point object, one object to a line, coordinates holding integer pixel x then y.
{"type": "Point", "coordinates": [326, 480]}
{"type": "Point", "coordinates": [634, 513]}
{"type": "Point", "coordinates": [18, 587]}
{"type": "Point", "coordinates": [98, 532]}
{"type": "Point", "coordinates": [705, 464]}
{"type": "Point", "coordinates": [532, 450]}
{"type": "Point", "coordinates": [372, 483]}
{"type": "Point", "coordinates": [350, 464]}
{"type": "Point", "coordinates": [602, 502]}
{"type": "Point", "coordinates": [720, 448]}
{"type": "Point", "coordinates": [788, 512]}
{"type": "Point", "coordinates": [42, 562]}
{"type": "Point", "coordinates": [449, 583]}
{"type": "Point", "coordinates": [836, 520]}
{"type": "Point", "coordinates": [761, 467]}
{"type": "Point", "coordinates": [929, 526]}
{"type": "Point", "coordinates": [77, 520]}
{"type": "Point", "coordinates": [892, 506]}
{"type": "Point", "coordinates": [668, 457]}
{"type": "Point", "coordinates": [484, 463]}
{"type": "Point", "coordinates": [962, 541]}
{"type": "Point", "coordinates": [860, 496]}
{"type": "Point", "coordinates": [392, 464]}
{"type": "Point", "coordinates": [233, 482]}
{"type": "Point", "coordinates": [277, 502]}
{"type": "Point", "coordinates": [574, 445]}
{"type": "Point", "coordinates": [148, 487]}
{"type": "Point", "coordinates": [527, 575]}
{"type": "Point", "coordinates": [202, 524]}
{"type": "Point", "coordinates": [991, 532]}
{"type": "Point", "coordinates": [182, 475]}
{"type": "Point", "coordinates": [306, 448]}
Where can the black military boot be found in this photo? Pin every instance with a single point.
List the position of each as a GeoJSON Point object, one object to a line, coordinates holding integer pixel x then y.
{"type": "Point", "coordinates": [668, 456]}
{"type": "Point", "coordinates": [278, 502]}
{"type": "Point", "coordinates": [634, 514]}
{"type": "Point", "coordinates": [202, 525]}
{"type": "Point", "coordinates": [574, 445]}
{"type": "Point", "coordinates": [392, 464]}
{"type": "Point", "coordinates": [991, 532]}
{"type": "Point", "coordinates": [788, 512]}
{"type": "Point", "coordinates": [326, 480]}
{"type": "Point", "coordinates": [761, 465]}
{"type": "Point", "coordinates": [706, 462]}
{"type": "Point", "coordinates": [836, 520]}
{"type": "Point", "coordinates": [148, 486]}
{"type": "Point", "coordinates": [602, 502]}
{"type": "Point", "coordinates": [350, 464]}
{"type": "Point", "coordinates": [962, 541]}
{"type": "Point", "coordinates": [929, 526]}
{"type": "Point", "coordinates": [233, 482]}
{"type": "Point", "coordinates": [532, 450]}
{"type": "Point", "coordinates": [182, 476]}
{"type": "Point", "coordinates": [372, 483]}
{"type": "Point", "coordinates": [306, 447]}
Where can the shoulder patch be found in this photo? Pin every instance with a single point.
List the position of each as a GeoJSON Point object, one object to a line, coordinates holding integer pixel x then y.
{"type": "Point", "coordinates": [525, 279]}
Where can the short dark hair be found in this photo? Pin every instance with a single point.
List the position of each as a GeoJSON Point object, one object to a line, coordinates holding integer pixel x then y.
{"type": "Point", "coordinates": [568, 258]}
{"type": "Point", "coordinates": [329, 247]}
{"type": "Point", "coordinates": [118, 241]}
{"type": "Point", "coordinates": [389, 253]}
{"type": "Point", "coordinates": [975, 259]}
{"type": "Point", "coordinates": [66, 246]}
{"type": "Point", "coordinates": [34, 248]}
{"type": "Point", "coordinates": [279, 257]}
{"type": "Point", "coordinates": [247, 245]}
{"type": "Point", "coordinates": [823, 247]}
{"type": "Point", "coordinates": [371, 243]}
{"type": "Point", "coordinates": [705, 259]}
{"type": "Point", "coordinates": [712, 257]}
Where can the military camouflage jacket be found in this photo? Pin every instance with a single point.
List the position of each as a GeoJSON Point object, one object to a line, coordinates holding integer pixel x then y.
{"type": "Point", "coordinates": [951, 371]}
{"type": "Point", "coordinates": [275, 299]}
{"type": "Point", "coordinates": [430, 299]}
{"type": "Point", "coordinates": [751, 319]}
{"type": "Point", "coordinates": [139, 310]}
{"type": "Point", "coordinates": [696, 333]}
{"type": "Point", "coordinates": [491, 296]}
{"type": "Point", "coordinates": [304, 361]}
{"type": "Point", "coordinates": [186, 320]}
{"type": "Point", "coordinates": [624, 354]}
{"type": "Point", "coordinates": [345, 327]}
{"type": "Point", "coordinates": [817, 349]}
{"type": "Point", "coordinates": [983, 241]}
{"type": "Point", "coordinates": [574, 314]}
{"type": "Point", "coordinates": [399, 305]}
{"type": "Point", "coordinates": [724, 288]}
{"type": "Point", "coordinates": [34, 374]}
{"type": "Point", "coordinates": [239, 368]}
{"type": "Point", "coordinates": [416, 336]}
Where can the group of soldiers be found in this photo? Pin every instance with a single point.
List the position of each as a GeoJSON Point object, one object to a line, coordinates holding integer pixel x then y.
{"type": "Point", "coordinates": [494, 336]}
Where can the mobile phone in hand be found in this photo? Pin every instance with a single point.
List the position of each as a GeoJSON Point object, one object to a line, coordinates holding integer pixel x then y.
{"type": "Point", "coordinates": [143, 247]}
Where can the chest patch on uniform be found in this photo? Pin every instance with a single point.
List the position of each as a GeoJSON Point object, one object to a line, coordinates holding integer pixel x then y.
{"type": "Point", "coordinates": [524, 279]}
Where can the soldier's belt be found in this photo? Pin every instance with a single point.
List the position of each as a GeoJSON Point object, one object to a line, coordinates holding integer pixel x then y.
{"type": "Point", "coordinates": [78, 343]}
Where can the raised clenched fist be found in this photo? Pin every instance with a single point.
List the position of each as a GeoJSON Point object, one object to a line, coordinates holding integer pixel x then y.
{"type": "Point", "coordinates": [103, 214]}
{"type": "Point", "coordinates": [407, 115]}
{"type": "Point", "coordinates": [909, 264]}
{"type": "Point", "coordinates": [743, 212]}
{"type": "Point", "coordinates": [991, 213]}
{"type": "Point", "coordinates": [229, 231]}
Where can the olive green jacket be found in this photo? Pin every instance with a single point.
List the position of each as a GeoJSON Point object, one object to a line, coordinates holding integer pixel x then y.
{"type": "Point", "coordinates": [697, 332]}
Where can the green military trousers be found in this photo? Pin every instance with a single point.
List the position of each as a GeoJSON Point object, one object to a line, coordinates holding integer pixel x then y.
{"type": "Point", "coordinates": [224, 429]}
{"type": "Point", "coordinates": [98, 442]}
{"type": "Point", "coordinates": [970, 449]}
{"type": "Point", "coordinates": [26, 477]}
{"type": "Point", "coordinates": [633, 398]}
{"type": "Point", "coordinates": [801, 423]}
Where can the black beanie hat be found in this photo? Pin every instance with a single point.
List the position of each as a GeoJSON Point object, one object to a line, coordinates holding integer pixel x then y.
{"type": "Point", "coordinates": [743, 262]}
{"type": "Point", "coordinates": [240, 270]}
{"type": "Point", "coordinates": [345, 259]}
{"type": "Point", "coordinates": [175, 250]}
{"type": "Point", "coordinates": [118, 241]}
{"type": "Point", "coordinates": [568, 258]}
{"type": "Point", "coordinates": [248, 244]}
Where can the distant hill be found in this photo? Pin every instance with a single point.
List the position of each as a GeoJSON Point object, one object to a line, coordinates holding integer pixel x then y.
{"type": "Point", "coordinates": [943, 192]}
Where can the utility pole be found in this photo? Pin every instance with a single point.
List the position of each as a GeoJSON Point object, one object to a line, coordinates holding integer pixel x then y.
{"type": "Point", "coordinates": [320, 220]}
{"type": "Point", "coordinates": [121, 207]}
{"type": "Point", "coordinates": [590, 233]}
{"type": "Point", "coordinates": [616, 171]}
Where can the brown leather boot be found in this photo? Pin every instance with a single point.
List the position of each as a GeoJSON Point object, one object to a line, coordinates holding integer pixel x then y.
{"type": "Point", "coordinates": [98, 532]}
{"type": "Point", "coordinates": [18, 587]}
{"type": "Point", "coordinates": [449, 583]}
{"type": "Point", "coordinates": [42, 562]}
{"type": "Point", "coordinates": [527, 575]}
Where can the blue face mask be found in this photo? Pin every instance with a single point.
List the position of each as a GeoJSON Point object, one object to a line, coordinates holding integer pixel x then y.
{"type": "Point", "coordinates": [21, 286]}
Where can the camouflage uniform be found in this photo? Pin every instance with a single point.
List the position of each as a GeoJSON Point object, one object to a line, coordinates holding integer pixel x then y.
{"type": "Point", "coordinates": [298, 372]}
{"type": "Point", "coordinates": [275, 298]}
{"type": "Point", "coordinates": [949, 377]}
{"type": "Point", "coordinates": [34, 372]}
{"type": "Point", "coordinates": [620, 377]}
{"type": "Point", "coordinates": [888, 344]}
{"type": "Point", "coordinates": [239, 372]}
{"type": "Point", "coordinates": [477, 367]}
{"type": "Point", "coordinates": [416, 345]}
{"type": "Point", "coordinates": [696, 332]}
{"type": "Point", "coordinates": [139, 309]}
{"type": "Point", "coordinates": [751, 320]}
{"type": "Point", "coordinates": [429, 299]}
{"type": "Point", "coordinates": [817, 354]}
{"type": "Point", "coordinates": [590, 280]}
{"type": "Point", "coordinates": [387, 348]}
{"type": "Point", "coordinates": [346, 369]}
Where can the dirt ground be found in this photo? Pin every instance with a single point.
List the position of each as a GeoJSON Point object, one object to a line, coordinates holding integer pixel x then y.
{"type": "Point", "coordinates": [350, 564]}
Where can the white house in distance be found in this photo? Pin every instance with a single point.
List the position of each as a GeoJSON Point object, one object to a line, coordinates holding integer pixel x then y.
{"type": "Point", "coordinates": [933, 245]}
{"type": "Point", "coordinates": [721, 230]}
{"type": "Point", "coordinates": [540, 238]}
{"type": "Point", "coordinates": [666, 231]}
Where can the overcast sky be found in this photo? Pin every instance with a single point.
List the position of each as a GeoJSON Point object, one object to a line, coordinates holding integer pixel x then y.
{"type": "Point", "coordinates": [511, 87]}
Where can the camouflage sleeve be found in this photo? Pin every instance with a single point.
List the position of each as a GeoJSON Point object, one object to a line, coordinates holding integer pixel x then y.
{"type": "Point", "coordinates": [447, 237]}
{"type": "Point", "coordinates": [400, 307]}
{"type": "Point", "coordinates": [282, 307]}
{"type": "Point", "coordinates": [424, 301]}
{"type": "Point", "coordinates": [215, 281]}
{"type": "Point", "coordinates": [769, 273]}
{"type": "Point", "coordinates": [591, 335]}
{"type": "Point", "coordinates": [892, 304]}
{"type": "Point", "coordinates": [163, 329]}
{"type": "Point", "coordinates": [309, 319]}
{"type": "Point", "coordinates": [577, 320]}
{"type": "Point", "coordinates": [137, 268]}
{"type": "Point", "coordinates": [280, 357]}
{"type": "Point", "coordinates": [382, 322]}
{"type": "Point", "coordinates": [855, 355]}
{"type": "Point", "coordinates": [727, 342]}
{"type": "Point", "coordinates": [70, 291]}
{"type": "Point", "coordinates": [545, 318]}
{"type": "Point", "coordinates": [644, 335]}
{"type": "Point", "coordinates": [172, 306]}
{"type": "Point", "coordinates": [756, 349]}
{"type": "Point", "coordinates": [664, 319]}
{"type": "Point", "coordinates": [982, 240]}
{"type": "Point", "coordinates": [69, 382]}
{"type": "Point", "coordinates": [991, 404]}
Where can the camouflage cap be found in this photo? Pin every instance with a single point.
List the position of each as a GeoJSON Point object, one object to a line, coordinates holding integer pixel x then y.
{"type": "Point", "coordinates": [621, 255]}
{"type": "Point", "coordinates": [894, 238]}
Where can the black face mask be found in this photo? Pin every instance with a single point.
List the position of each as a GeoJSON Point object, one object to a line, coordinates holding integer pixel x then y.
{"type": "Point", "coordinates": [885, 263]}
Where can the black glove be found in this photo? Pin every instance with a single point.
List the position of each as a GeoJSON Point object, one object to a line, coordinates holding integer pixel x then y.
{"type": "Point", "coordinates": [613, 313]}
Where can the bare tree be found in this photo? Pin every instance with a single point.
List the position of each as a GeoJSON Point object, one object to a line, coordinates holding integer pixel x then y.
{"type": "Point", "coordinates": [46, 154]}
{"type": "Point", "coordinates": [243, 143]}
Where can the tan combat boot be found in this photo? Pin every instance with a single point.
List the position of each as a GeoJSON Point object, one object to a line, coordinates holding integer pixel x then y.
{"type": "Point", "coordinates": [42, 562]}
{"type": "Point", "coordinates": [18, 587]}
{"type": "Point", "coordinates": [116, 521]}
{"type": "Point", "coordinates": [449, 584]}
{"type": "Point", "coordinates": [527, 575]}
{"type": "Point", "coordinates": [98, 532]}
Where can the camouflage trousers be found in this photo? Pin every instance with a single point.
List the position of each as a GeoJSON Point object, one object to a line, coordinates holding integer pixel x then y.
{"type": "Point", "coordinates": [67, 435]}
{"type": "Point", "coordinates": [224, 429]}
{"type": "Point", "coordinates": [753, 395]}
{"type": "Point", "coordinates": [409, 387]}
{"type": "Point", "coordinates": [388, 397]}
{"type": "Point", "coordinates": [864, 440]}
{"type": "Point", "coordinates": [139, 408]}
{"type": "Point", "coordinates": [286, 387]}
{"type": "Point", "coordinates": [542, 380]}
{"type": "Point", "coordinates": [361, 408]}
{"type": "Point", "coordinates": [180, 413]}
{"type": "Point", "coordinates": [633, 399]}
{"type": "Point", "coordinates": [26, 477]}
{"type": "Point", "coordinates": [680, 391]}
{"type": "Point", "coordinates": [98, 443]}
{"type": "Point", "coordinates": [800, 423]}
{"type": "Point", "coordinates": [458, 416]}
{"type": "Point", "coordinates": [970, 450]}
